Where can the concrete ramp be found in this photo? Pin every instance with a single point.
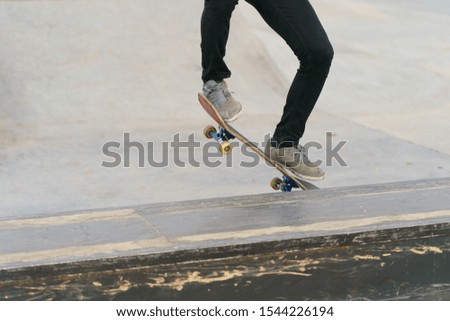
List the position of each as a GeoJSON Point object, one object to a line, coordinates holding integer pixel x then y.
{"type": "Point", "coordinates": [75, 75]}
{"type": "Point", "coordinates": [371, 242]}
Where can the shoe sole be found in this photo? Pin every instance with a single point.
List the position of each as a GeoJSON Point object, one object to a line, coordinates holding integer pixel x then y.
{"type": "Point", "coordinates": [304, 177]}
{"type": "Point", "coordinates": [234, 118]}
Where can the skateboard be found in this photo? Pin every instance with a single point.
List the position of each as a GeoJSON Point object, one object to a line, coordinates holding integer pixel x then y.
{"type": "Point", "coordinates": [226, 133]}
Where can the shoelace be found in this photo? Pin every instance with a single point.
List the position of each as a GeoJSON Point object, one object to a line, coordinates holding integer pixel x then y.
{"type": "Point", "coordinates": [227, 94]}
{"type": "Point", "coordinates": [301, 153]}
{"type": "Point", "coordinates": [214, 99]}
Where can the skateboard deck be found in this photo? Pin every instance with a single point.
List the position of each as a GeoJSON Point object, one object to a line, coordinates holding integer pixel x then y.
{"type": "Point", "coordinates": [227, 132]}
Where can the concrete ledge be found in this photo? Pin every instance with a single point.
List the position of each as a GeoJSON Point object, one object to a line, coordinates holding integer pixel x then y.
{"type": "Point", "coordinates": [200, 240]}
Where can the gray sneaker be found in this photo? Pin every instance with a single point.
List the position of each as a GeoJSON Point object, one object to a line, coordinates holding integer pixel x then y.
{"type": "Point", "coordinates": [219, 95]}
{"type": "Point", "coordinates": [296, 160]}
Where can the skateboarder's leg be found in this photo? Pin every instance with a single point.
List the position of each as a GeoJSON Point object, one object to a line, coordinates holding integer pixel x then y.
{"type": "Point", "coordinates": [215, 27]}
{"type": "Point", "coordinates": [297, 23]}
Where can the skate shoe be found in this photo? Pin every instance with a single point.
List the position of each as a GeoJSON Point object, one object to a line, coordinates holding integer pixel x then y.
{"type": "Point", "coordinates": [219, 95]}
{"type": "Point", "coordinates": [296, 160]}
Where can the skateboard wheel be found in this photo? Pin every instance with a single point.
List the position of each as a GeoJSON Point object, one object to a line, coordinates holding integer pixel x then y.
{"type": "Point", "coordinates": [276, 183]}
{"type": "Point", "coordinates": [226, 148]}
{"type": "Point", "coordinates": [207, 131]}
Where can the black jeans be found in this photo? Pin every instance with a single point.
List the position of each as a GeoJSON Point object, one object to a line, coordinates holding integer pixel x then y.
{"type": "Point", "coordinates": [297, 23]}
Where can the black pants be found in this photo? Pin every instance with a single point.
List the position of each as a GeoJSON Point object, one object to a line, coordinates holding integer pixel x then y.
{"type": "Point", "coordinates": [297, 23]}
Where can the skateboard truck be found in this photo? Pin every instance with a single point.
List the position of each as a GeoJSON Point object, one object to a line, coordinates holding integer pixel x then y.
{"type": "Point", "coordinates": [222, 137]}
{"type": "Point", "coordinates": [285, 185]}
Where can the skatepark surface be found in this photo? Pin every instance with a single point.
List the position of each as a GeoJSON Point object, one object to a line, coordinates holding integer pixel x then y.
{"type": "Point", "coordinates": [76, 76]}
{"type": "Point", "coordinates": [377, 242]}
